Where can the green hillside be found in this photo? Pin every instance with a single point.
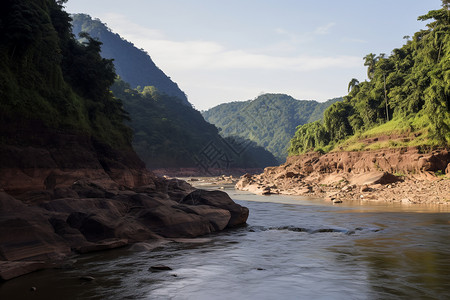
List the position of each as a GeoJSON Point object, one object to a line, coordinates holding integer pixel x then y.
{"type": "Point", "coordinates": [50, 80]}
{"type": "Point", "coordinates": [407, 98]}
{"type": "Point", "coordinates": [169, 134]}
{"type": "Point", "coordinates": [270, 120]}
{"type": "Point", "coordinates": [133, 65]}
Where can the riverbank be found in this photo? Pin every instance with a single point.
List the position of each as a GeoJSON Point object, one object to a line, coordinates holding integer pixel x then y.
{"type": "Point", "coordinates": [45, 228]}
{"type": "Point", "coordinates": [393, 175]}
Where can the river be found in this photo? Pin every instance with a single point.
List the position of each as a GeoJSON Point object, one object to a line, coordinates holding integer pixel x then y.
{"type": "Point", "coordinates": [292, 248]}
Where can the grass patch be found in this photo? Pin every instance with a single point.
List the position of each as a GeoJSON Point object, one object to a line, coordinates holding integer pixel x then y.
{"type": "Point", "coordinates": [399, 132]}
{"type": "Point", "coordinates": [357, 146]}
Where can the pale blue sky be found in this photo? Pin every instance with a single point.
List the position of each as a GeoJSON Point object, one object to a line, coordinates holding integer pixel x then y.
{"type": "Point", "coordinates": [222, 51]}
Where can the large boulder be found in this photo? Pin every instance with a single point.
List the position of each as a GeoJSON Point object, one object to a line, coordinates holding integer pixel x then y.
{"type": "Point", "coordinates": [218, 217]}
{"type": "Point", "coordinates": [219, 199]}
{"type": "Point", "coordinates": [375, 177]}
{"type": "Point", "coordinates": [172, 222]}
{"type": "Point", "coordinates": [27, 233]}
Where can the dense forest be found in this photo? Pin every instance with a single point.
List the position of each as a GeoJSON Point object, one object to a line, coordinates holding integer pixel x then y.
{"type": "Point", "coordinates": [170, 134]}
{"type": "Point", "coordinates": [50, 80]}
{"type": "Point", "coordinates": [407, 94]}
{"type": "Point", "coordinates": [269, 120]}
{"type": "Point", "coordinates": [134, 65]}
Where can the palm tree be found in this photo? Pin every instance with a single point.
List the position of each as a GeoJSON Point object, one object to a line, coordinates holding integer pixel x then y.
{"type": "Point", "coordinates": [369, 61]}
{"type": "Point", "coordinates": [353, 84]}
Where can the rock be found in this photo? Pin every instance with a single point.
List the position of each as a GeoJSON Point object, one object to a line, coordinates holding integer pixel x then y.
{"type": "Point", "coordinates": [169, 222]}
{"type": "Point", "coordinates": [218, 218]}
{"type": "Point", "coordinates": [304, 190]}
{"type": "Point", "coordinates": [95, 227]}
{"type": "Point", "coordinates": [88, 189]}
{"type": "Point", "coordinates": [87, 278]}
{"type": "Point", "coordinates": [333, 179]}
{"type": "Point", "coordinates": [348, 188]}
{"type": "Point", "coordinates": [406, 201]}
{"type": "Point", "coordinates": [266, 190]}
{"type": "Point", "coordinates": [103, 245]}
{"type": "Point", "coordinates": [60, 193]}
{"type": "Point", "coordinates": [13, 269]}
{"type": "Point", "coordinates": [219, 199]}
{"type": "Point", "coordinates": [365, 189]}
{"type": "Point", "coordinates": [335, 201]}
{"type": "Point", "coordinates": [373, 178]}
{"type": "Point", "coordinates": [160, 268]}
{"type": "Point", "coordinates": [29, 236]}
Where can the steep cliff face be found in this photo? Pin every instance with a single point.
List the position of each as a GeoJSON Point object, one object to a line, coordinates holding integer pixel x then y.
{"type": "Point", "coordinates": [40, 158]}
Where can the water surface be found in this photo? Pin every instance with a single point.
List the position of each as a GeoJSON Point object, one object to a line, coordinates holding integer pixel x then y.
{"type": "Point", "coordinates": [292, 248]}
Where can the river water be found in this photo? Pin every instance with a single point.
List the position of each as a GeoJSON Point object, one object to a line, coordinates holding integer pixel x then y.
{"type": "Point", "coordinates": [292, 248]}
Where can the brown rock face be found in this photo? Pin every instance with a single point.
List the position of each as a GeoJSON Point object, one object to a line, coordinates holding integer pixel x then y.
{"type": "Point", "coordinates": [339, 172]}
{"type": "Point", "coordinates": [61, 193]}
{"type": "Point", "coordinates": [220, 200]}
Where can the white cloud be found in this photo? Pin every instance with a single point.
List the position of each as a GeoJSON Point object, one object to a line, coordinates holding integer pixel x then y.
{"type": "Point", "coordinates": [211, 73]}
{"type": "Point", "coordinates": [325, 29]}
{"type": "Point", "coordinates": [209, 55]}
{"type": "Point", "coordinates": [116, 21]}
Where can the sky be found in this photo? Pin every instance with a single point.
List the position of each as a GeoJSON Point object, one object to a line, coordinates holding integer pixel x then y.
{"type": "Point", "coordinates": [221, 51]}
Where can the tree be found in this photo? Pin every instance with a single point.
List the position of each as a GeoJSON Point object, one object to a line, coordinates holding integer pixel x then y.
{"type": "Point", "coordinates": [352, 84]}
{"type": "Point", "coordinates": [370, 61]}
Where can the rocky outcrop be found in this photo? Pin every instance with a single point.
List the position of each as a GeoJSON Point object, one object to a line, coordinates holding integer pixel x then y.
{"type": "Point", "coordinates": [62, 193]}
{"type": "Point", "coordinates": [387, 174]}
{"type": "Point", "coordinates": [50, 228]}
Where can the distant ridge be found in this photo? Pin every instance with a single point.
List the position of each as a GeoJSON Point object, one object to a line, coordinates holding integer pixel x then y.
{"type": "Point", "coordinates": [270, 120]}
{"type": "Point", "coordinates": [133, 65]}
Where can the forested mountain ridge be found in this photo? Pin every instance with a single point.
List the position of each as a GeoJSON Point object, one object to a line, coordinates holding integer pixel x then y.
{"type": "Point", "coordinates": [133, 65]}
{"type": "Point", "coordinates": [58, 118]}
{"type": "Point", "coordinates": [167, 134]}
{"type": "Point", "coordinates": [49, 78]}
{"type": "Point", "coordinates": [407, 96]}
{"type": "Point", "coordinates": [269, 120]}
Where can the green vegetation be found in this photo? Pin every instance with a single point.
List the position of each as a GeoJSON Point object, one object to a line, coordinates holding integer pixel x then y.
{"type": "Point", "coordinates": [269, 120]}
{"type": "Point", "coordinates": [48, 77]}
{"type": "Point", "coordinates": [133, 65]}
{"type": "Point", "coordinates": [167, 133]}
{"type": "Point", "coordinates": [407, 98]}
{"type": "Point", "coordinates": [170, 134]}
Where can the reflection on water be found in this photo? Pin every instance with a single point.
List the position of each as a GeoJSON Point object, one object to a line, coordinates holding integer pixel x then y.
{"type": "Point", "coordinates": [292, 248]}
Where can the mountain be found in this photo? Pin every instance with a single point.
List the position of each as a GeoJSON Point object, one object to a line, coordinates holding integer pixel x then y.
{"type": "Point", "coordinates": [58, 119]}
{"type": "Point", "coordinates": [133, 65]}
{"type": "Point", "coordinates": [167, 132]}
{"type": "Point", "coordinates": [270, 120]}
{"type": "Point", "coordinates": [405, 102]}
